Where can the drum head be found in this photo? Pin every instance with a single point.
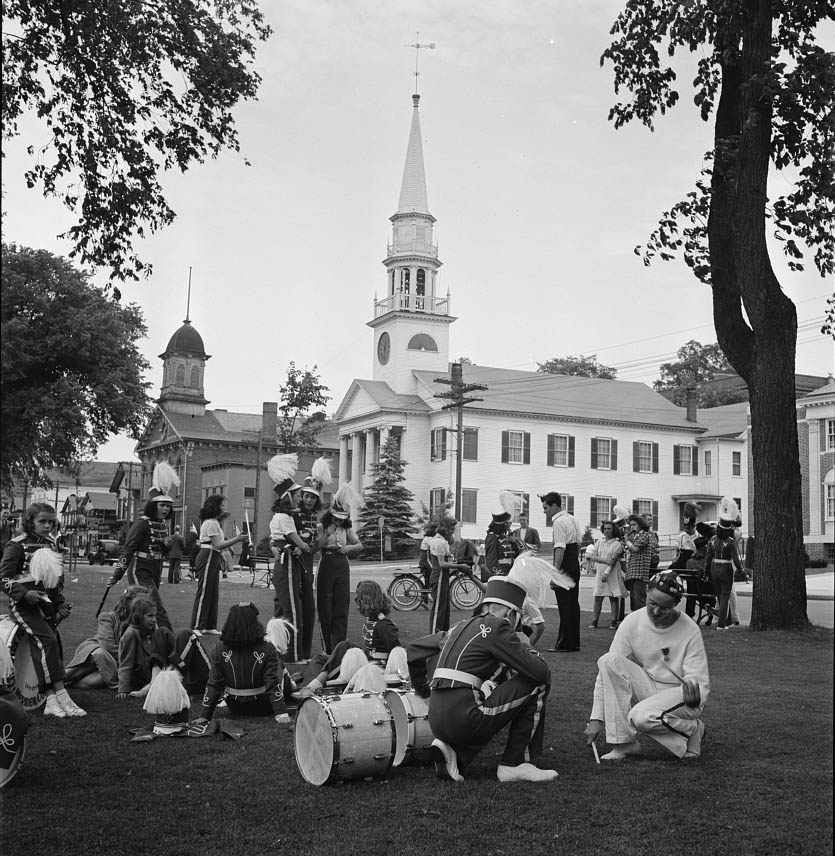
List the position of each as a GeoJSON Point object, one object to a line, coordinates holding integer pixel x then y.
{"type": "Point", "coordinates": [314, 740]}
{"type": "Point", "coordinates": [400, 714]}
{"type": "Point", "coordinates": [24, 682]}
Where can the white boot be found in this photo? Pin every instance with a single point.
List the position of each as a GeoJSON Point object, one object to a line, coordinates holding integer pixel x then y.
{"type": "Point", "coordinates": [53, 708]}
{"type": "Point", "coordinates": [69, 707]}
{"type": "Point", "coordinates": [622, 751]}
{"type": "Point", "coordinates": [445, 761]}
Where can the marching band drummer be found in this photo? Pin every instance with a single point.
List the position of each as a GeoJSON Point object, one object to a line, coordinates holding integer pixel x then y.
{"type": "Point", "coordinates": [465, 710]}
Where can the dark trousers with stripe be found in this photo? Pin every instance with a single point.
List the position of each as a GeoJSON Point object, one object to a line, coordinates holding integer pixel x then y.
{"type": "Point", "coordinates": [44, 645]}
{"type": "Point", "coordinates": [293, 601]}
{"type": "Point", "coordinates": [207, 571]}
{"type": "Point", "coordinates": [148, 572]}
{"type": "Point", "coordinates": [439, 613]}
{"type": "Point", "coordinates": [465, 720]}
{"type": "Point", "coordinates": [333, 596]}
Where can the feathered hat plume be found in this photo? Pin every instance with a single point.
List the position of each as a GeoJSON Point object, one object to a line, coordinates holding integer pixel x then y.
{"type": "Point", "coordinates": [620, 512]}
{"type": "Point", "coordinates": [729, 517]}
{"type": "Point", "coordinates": [347, 502]}
{"type": "Point", "coordinates": [47, 567]}
{"type": "Point", "coordinates": [320, 475]}
{"type": "Point", "coordinates": [163, 482]}
{"type": "Point", "coordinates": [691, 512]}
{"type": "Point", "coordinates": [503, 511]}
{"type": "Point", "coordinates": [536, 575]}
{"type": "Point", "coordinates": [281, 469]}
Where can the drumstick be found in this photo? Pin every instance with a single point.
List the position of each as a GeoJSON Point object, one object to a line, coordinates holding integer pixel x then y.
{"type": "Point", "coordinates": [596, 755]}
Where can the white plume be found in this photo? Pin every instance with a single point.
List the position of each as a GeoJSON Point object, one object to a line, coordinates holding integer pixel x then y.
{"type": "Point", "coordinates": [352, 662]}
{"type": "Point", "coordinates": [166, 694]}
{"type": "Point", "coordinates": [349, 498]}
{"type": "Point", "coordinates": [397, 663]}
{"type": "Point", "coordinates": [729, 510]}
{"type": "Point", "coordinates": [6, 664]}
{"type": "Point", "coordinates": [47, 567]}
{"type": "Point", "coordinates": [321, 471]}
{"type": "Point", "coordinates": [278, 632]}
{"type": "Point", "coordinates": [165, 478]}
{"type": "Point", "coordinates": [368, 679]}
{"type": "Point", "coordinates": [282, 467]}
{"type": "Point", "coordinates": [507, 500]}
{"type": "Point", "coordinates": [535, 575]}
{"type": "Point", "coordinates": [620, 512]}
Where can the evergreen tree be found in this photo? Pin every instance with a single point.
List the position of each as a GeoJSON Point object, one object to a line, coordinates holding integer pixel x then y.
{"type": "Point", "coordinates": [390, 499]}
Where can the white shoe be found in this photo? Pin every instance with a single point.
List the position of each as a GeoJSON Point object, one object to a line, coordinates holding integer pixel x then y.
{"type": "Point", "coordinates": [694, 742]}
{"type": "Point", "coordinates": [53, 708]}
{"type": "Point", "coordinates": [525, 773]}
{"type": "Point", "coordinates": [445, 761]}
{"type": "Point", "coordinates": [68, 705]}
{"type": "Point", "coordinates": [622, 751]}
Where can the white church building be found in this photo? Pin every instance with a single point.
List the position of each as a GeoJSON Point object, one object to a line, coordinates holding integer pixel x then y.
{"type": "Point", "coordinates": [597, 442]}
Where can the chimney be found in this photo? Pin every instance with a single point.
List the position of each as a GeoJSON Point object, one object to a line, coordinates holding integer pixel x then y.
{"type": "Point", "coordinates": [690, 401]}
{"type": "Point", "coordinates": [269, 419]}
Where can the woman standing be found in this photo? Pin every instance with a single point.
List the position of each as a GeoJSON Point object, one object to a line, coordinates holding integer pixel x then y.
{"type": "Point", "coordinates": [638, 546]}
{"type": "Point", "coordinates": [337, 542]}
{"type": "Point", "coordinates": [208, 565]}
{"type": "Point", "coordinates": [605, 559]}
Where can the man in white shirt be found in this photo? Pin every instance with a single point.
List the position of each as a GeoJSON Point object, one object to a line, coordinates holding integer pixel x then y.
{"type": "Point", "coordinates": [567, 537]}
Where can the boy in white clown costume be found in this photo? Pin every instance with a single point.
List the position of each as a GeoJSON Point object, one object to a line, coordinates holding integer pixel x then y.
{"type": "Point", "coordinates": [654, 680]}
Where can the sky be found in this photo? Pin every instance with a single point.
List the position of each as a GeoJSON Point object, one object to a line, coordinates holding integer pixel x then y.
{"type": "Point", "coordinates": [539, 202]}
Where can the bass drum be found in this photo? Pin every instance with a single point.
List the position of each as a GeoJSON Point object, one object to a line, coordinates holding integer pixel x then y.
{"type": "Point", "coordinates": [411, 726]}
{"type": "Point", "coordinates": [24, 682]}
{"type": "Point", "coordinates": [341, 738]}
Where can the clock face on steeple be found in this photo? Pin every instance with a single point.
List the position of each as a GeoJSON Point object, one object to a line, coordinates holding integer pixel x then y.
{"type": "Point", "coordinates": [383, 348]}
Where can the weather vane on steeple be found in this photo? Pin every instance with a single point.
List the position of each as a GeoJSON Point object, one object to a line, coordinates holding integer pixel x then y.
{"type": "Point", "coordinates": [417, 46]}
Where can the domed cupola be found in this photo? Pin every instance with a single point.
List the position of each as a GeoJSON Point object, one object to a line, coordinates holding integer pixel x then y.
{"type": "Point", "coordinates": [184, 363]}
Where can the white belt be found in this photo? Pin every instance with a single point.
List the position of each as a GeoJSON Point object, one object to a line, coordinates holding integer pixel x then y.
{"type": "Point", "coordinates": [457, 675]}
{"type": "Point", "coordinates": [253, 692]}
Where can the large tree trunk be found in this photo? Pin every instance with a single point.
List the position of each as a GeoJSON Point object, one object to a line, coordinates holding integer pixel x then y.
{"type": "Point", "coordinates": [761, 348]}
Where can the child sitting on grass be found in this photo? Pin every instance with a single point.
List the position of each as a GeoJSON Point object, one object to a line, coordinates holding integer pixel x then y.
{"type": "Point", "coordinates": [380, 635]}
{"type": "Point", "coordinates": [145, 649]}
{"type": "Point", "coordinates": [247, 668]}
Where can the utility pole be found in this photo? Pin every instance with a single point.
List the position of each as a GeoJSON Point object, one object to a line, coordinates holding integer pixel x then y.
{"type": "Point", "coordinates": [457, 394]}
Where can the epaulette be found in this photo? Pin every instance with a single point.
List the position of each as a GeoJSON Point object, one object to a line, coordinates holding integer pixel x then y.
{"type": "Point", "coordinates": [19, 538]}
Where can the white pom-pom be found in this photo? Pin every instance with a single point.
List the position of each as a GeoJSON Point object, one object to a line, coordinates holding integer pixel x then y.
{"type": "Point", "coordinates": [368, 679]}
{"type": "Point", "coordinates": [397, 663]}
{"type": "Point", "coordinates": [46, 567]}
{"type": "Point", "coordinates": [352, 662]}
{"type": "Point", "coordinates": [282, 467]}
{"type": "Point", "coordinates": [167, 695]}
{"type": "Point", "coordinates": [278, 632]}
{"type": "Point", "coordinates": [165, 478]}
{"type": "Point", "coordinates": [321, 471]}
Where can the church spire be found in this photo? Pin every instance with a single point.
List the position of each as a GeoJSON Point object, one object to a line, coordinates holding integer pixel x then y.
{"type": "Point", "coordinates": [413, 198]}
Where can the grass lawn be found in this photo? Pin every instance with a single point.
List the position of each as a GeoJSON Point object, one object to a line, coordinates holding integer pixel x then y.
{"type": "Point", "coordinates": [763, 785]}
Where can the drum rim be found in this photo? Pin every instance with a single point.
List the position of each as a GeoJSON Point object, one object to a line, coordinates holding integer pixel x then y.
{"type": "Point", "coordinates": [32, 702]}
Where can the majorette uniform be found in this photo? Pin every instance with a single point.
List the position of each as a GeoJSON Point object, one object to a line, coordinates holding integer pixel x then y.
{"type": "Point", "coordinates": [37, 620]}
{"type": "Point", "coordinates": [379, 637]}
{"type": "Point", "coordinates": [307, 526]}
{"type": "Point", "coordinates": [253, 680]}
{"type": "Point", "coordinates": [288, 581]}
{"type": "Point", "coordinates": [142, 559]}
{"type": "Point", "coordinates": [138, 654]}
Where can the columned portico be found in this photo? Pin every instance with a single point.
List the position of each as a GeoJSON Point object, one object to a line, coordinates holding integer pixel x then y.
{"type": "Point", "coordinates": [343, 458]}
{"type": "Point", "coordinates": [370, 454]}
{"type": "Point", "coordinates": [356, 460]}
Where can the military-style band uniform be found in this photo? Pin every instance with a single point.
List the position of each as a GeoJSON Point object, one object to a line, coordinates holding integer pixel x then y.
{"type": "Point", "coordinates": [474, 651]}
{"type": "Point", "coordinates": [253, 680]}
{"type": "Point", "coordinates": [500, 551]}
{"type": "Point", "coordinates": [307, 526]}
{"type": "Point", "coordinates": [142, 559]}
{"type": "Point", "coordinates": [379, 637]}
{"type": "Point", "coordinates": [37, 620]}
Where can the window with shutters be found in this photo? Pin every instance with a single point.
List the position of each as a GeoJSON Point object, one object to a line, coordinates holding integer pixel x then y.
{"type": "Point", "coordinates": [437, 450]}
{"type": "Point", "coordinates": [644, 457]}
{"type": "Point", "coordinates": [195, 378]}
{"type": "Point", "coordinates": [470, 445]}
{"type": "Point", "coordinates": [830, 496]}
{"type": "Point", "coordinates": [642, 506]}
{"type": "Point", "coordinates": [830, 435]}
{"type": "Point", "coordinates": [601, 510]}
{"type": "Point", "coordinates": [604, 453]}
{"type": "Point", "coordinates": [736, 463]}
{"type": "Point", "coordinates": [180, 375]}
{"type": "Point", "coordinates": [469, 505]}
{"type": "Point", "coordinates": [437, 501]}
{"type": "Point", "coordinates": [708, 463]}
{"type": "Point", "coordinates": [567, 501]}
{"type": "Point", "coordinates": [685, 461]}
{"type": "Point", "coordinates": [516, 447]}
{"type": "Point", "coordinates": [559, 450]}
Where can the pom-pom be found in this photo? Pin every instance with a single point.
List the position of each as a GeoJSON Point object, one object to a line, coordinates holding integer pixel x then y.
{"type": "Point", "coordinates": [620, 512]}
{"type": "Point", "coordinates": [353, 660]}
{"type": "Point", "coordinates": [47, 567]}
{"type": "Point", "coordinates": [165, 478]}
{"type": "Point", "coordinates": [321, 471]}
{"type": "Point", "coordinates": [507, 500]}
{"type": "Point", "coordinates": [729, 512]}
{"type": "Point", "coordinates": [368, 679]}
{"type": "Point", "coordinates": [691, 511]}
{"type": "Point", "coordinates": [282, 467]}
{"type": "Point", "coordinates": [536, 575]}
{"type": "Point", "coordinates": [397, 663]}
{"type": "Point", "coordinates": [166, 695]}
{"type": "Point", "coordinates": [6, 664]}
{"type": "Point", "coordinates": [278, 632]}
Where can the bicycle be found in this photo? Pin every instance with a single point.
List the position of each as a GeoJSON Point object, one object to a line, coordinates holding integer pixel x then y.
{"type": "Point", "coordinates": [407, 591]}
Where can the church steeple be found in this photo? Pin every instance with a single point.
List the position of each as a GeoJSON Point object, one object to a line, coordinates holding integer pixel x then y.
{"type": "Point", "coordinates": [184, 364]}
{"type": "Point", "coordinates": [412, 321]}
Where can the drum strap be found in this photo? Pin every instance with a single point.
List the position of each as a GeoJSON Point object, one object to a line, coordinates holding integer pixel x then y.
{"type": "Point", "coordinates": [457, 675]}
{"type": "Point", "coordinates": [234, 691]}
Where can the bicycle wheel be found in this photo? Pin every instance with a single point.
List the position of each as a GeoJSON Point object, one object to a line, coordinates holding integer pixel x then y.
{"type": "Point", "coordinates": [405, 592]}
{"type": "Point", "coordinates": [465, 593]}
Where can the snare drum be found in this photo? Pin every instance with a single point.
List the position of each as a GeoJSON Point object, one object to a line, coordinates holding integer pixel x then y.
{"type": "Point", "coordinates": [339, 738]}
{"type": "Point", "coordinates": [24, 681]}
{"type": "Point", "coordinates": [411, 726]}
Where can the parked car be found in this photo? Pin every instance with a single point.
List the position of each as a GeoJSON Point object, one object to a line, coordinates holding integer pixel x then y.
{"type": "Point", "coordinates": [106, 552]}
